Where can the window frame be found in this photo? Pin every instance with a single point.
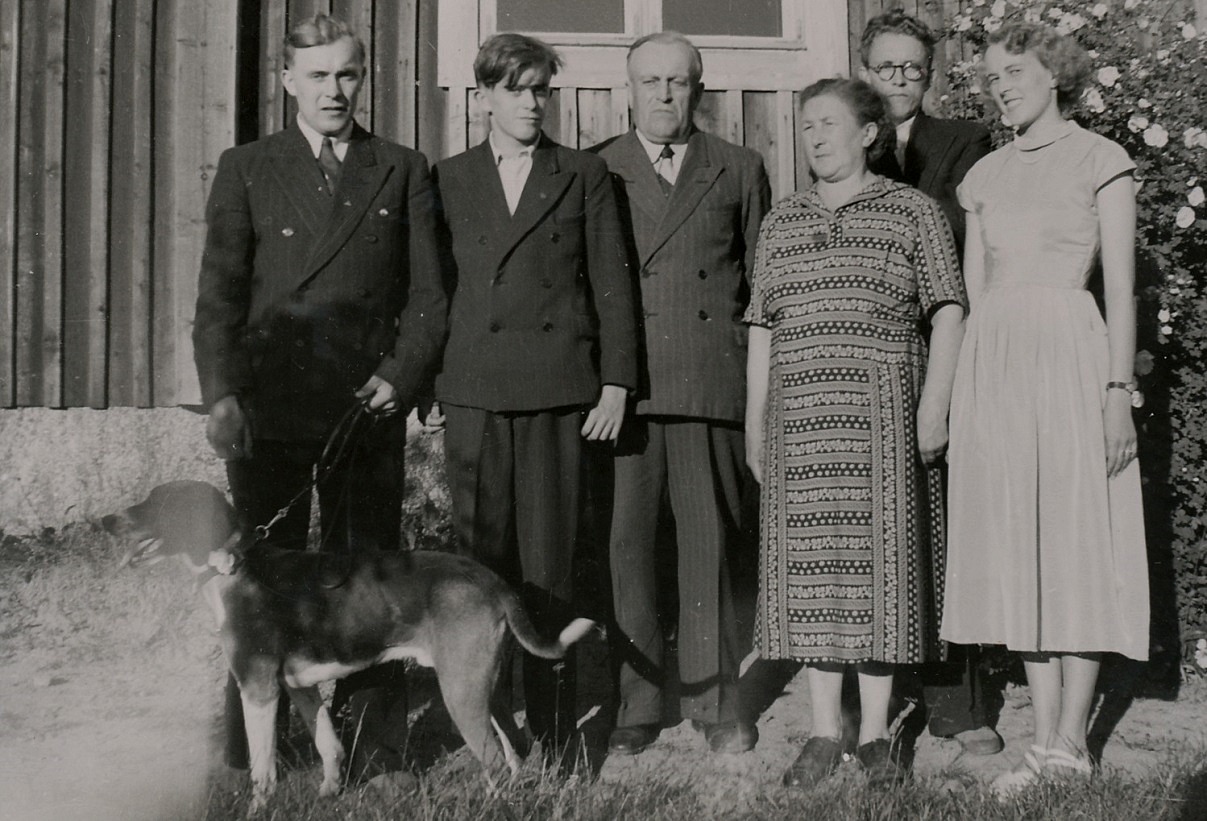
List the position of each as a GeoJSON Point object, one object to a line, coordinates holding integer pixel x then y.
{"type": "Point", "coordinates": [814, 45]}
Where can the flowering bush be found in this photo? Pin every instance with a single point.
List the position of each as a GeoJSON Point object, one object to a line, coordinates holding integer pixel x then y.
{"type": "Point", "coordinates": [1148, 95]}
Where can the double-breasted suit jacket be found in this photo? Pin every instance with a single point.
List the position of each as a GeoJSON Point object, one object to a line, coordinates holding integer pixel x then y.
{"type": "Point", "coordinates": [542, 311]}
{"type": "Point", "coordinates": [693, 253]}
{"type": "Point", "coordinates": [937, 156]}
{"type": "Point", "coordinates": [302, 295]}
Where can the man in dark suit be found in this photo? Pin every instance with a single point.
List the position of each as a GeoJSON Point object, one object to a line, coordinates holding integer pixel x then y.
{"type": "Point", "coordinates": [541, 350]}
{"type": "Point", "coordinates": [691, 205]}
{"type": "Point", "coordinates": [932, 155]}
{"type": "Point", "coordinates": [320, 284]}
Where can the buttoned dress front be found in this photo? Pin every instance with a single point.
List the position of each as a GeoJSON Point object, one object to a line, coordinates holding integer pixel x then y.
{"type": "Point", "coordinates": [851, 519]}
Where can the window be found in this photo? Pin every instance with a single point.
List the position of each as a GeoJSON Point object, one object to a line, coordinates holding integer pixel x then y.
{"type": "Point", "coordinates": [561, 15]}
{"type": "Point", "coordinates": [737, 18]}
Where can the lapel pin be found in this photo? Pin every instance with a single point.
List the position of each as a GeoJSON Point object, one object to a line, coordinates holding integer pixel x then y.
{"type": "Point", "coordinates": [385, 212]}
{"type": "Point", "coordinates": [287, 232]}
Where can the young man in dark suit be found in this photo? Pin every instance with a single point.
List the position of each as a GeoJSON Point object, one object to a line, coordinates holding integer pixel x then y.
{"type": "Point", "coordinates": [541, 349]}
{"type": "Point", "coordinates": [932, 155]}
{"type": "Point", "coordinates": [320, 284]}
{"type": "Point", "coordinates": [691, 205]}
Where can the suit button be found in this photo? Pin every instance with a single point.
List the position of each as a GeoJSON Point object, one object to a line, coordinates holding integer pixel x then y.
{"type": "Point", "coordinates": [494, 327]}
{"type": "Point", "coordinates": [546, 283]}
{"type": "Point", "coordinates": [370, 238]}
{"type": "Point", "coordinates": [703, 274]}
{"type": "Point", "coordinates": [482, 240]}
{"type": "Point", "coordinates": [703, 314]}
{"type": "Point", "coordinates": [548, 326]}
{"type": "Point", "coordinates": [554, 237]}
{"type": "Point", "coordinates": [288, 232]}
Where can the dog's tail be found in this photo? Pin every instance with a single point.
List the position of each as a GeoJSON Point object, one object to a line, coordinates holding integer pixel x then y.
{"type": "Point", "coordinates": [532, 641]}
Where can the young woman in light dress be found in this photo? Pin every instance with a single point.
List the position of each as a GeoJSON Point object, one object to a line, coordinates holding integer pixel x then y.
{"type": "Point", "coordinates": [1046, 551]}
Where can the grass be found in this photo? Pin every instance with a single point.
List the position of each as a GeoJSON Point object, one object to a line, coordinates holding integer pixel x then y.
{"type": "Point", "coordinates": [63, 604]}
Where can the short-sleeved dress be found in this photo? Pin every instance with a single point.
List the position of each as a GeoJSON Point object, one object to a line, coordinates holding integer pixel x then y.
{"type": "Point", "coordinates": [851, 520]}
{"type": "Point", "coordinates": [1044, 552]}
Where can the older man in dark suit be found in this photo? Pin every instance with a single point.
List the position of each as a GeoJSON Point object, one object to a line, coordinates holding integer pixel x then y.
{"type": "Point", "coordinates": [320, 283]}
{"type": "Point", "coordinates": [691, 204]}
{"type": "Point", "coordinates": [933, 155]}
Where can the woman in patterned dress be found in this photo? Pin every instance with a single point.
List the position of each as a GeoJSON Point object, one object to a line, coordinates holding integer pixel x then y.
{"type": "Point", "coordinates": [1047, 552]}
{"type": "Point", "coordinates": [845, 420]}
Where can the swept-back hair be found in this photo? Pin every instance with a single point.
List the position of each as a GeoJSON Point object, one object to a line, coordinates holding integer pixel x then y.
{"type": "Point", "coordinates": [320, 30]}
{"type": "Point", "coordinates": [671, 38]}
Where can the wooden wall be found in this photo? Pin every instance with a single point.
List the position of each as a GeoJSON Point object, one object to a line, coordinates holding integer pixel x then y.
{"type": "Point", "coordinates": [122, 108]}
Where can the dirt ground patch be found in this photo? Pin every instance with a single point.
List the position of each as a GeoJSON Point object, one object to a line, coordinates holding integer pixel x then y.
{"type": "Point", "coordinates": [106, 740]}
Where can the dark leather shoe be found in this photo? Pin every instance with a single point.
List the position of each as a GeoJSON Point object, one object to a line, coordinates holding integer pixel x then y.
{"type": "Point", "coordinates": [729, 736]}
{"type": "Point", "coordinates": [882, 762]}
{"type": "Point", "coordinates": [816, 762]}
{"type": "Point", "coordinates": [632, 740]}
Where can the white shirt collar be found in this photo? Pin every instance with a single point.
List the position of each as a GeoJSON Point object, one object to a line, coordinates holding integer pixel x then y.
{"type": "Point", "coordinates": [903, 130]}
{"type": "Point", "coordinates": [339, 142]}
{"type": "Point", "coordinates": [654, 149]}
{"type": "Point", "coordinates": [498, 153]}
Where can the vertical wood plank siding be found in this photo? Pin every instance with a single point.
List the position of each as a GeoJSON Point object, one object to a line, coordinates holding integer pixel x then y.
{"type": "Point", "coordinates": [122, 108]}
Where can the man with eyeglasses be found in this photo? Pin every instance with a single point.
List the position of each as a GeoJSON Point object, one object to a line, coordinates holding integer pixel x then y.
{"type": "Point", "coordinates": [933, 155]}
{"type": "Point", "coordinates": [930, 154]}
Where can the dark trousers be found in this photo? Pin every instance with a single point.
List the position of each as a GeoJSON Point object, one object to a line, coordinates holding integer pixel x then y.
{"type": "Point", "coordinates": [360, 509]}
{"type": "Point", "coordinates": [514, 479]}
{"type": "Point", "coordinates": [956, 694]}
{"type": "Point", "coordinates": [698, 465]}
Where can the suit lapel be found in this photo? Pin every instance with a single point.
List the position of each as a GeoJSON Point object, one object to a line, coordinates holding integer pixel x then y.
{"type": "Point", "coordinates": [927, 148]}
{"type": "Point", "coordinates": [489, 199]}
{"type": "Point", "coordinates": [544, 188]}
{"type": "Point", "coordinates": [695, 179]}
{"type": "Point", "coordinates": [298, 175]}
{"type": "Point", "coordinates": [362, 178]}
{"type": "Point", "coordinates": [641, 182]}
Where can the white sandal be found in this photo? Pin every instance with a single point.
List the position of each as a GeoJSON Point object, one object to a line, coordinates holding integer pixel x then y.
{"type": "Point", "coordinates": [1064, 763]}
{"type": "Point", "coordinates": [1009, 784]}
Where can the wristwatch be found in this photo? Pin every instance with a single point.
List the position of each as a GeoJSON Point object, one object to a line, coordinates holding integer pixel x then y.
{"type": "Point", "coordinates": [1133, 388]}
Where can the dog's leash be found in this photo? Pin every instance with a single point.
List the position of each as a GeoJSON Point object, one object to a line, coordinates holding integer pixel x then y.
{"type": "Point", "coordinates": [350, 426]}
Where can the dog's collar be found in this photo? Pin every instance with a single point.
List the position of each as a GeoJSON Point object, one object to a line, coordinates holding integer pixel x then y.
{"type": "Point", "coordinates": [225, 561]}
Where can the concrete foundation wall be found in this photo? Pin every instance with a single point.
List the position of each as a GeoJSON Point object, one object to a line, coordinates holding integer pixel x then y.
{"type": "Point", "coordinates": [63, 466]}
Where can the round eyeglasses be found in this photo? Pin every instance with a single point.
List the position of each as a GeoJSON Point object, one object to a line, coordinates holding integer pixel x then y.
{"type": "Point", "coordinates": [911, 71]}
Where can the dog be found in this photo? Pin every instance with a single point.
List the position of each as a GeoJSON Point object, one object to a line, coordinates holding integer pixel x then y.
{"type": "Point", "coordinates": [298, 618]}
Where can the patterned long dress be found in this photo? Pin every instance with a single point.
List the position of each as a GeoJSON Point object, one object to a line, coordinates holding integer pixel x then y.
{"type": "Point", "coordinates": [851, 519]}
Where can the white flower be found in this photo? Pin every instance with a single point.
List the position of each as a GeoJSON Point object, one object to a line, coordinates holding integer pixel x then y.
{"type": "Point", "coordinates": [1186, 217]}
{"type": "Point", "coordinates": [963, 23]}
{"type": "Point", "coordinates": [1188, 32]}
{"type": "Point", "coordinates": [1137, 123]}
{"type": "Point", "coordinates": [1166, 330]}
{"type": "Point", "coordinates": [998, 9]}
{"type": "Point", "coordinates": [1162, 55]}
{"type": "Point", "coordinates": [1055, 12]}
{"type": "Point", "coordinates": [1143, 103]}
{"type": "Point", "coordinates": [1093, 101]}
{"type": "Point", "coordinates": [1142, 23]}
{"type": "Point", "coordinates": [1163, 315]}
{"type": "Point", "coordinates": [1156, 136]}
{"type": "Point", "coordinates": [1108, 76]}
{"type": "Point", "coordinates": [1191, 135]}
{"type": "Point", "coordinates": [1099, 10]}
{"type": "Point", "coordinates": [1070, 23]}
{"type": "Point", "coordinates": [1196, 196]}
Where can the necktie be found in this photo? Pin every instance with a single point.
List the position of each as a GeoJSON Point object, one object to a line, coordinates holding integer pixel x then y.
{"type": "Point", "coordinates": [330, 165]}
{"type": "Point", "coordinates": [900, 152]}
{"type": "Point", "coordinates": [666, 170]}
